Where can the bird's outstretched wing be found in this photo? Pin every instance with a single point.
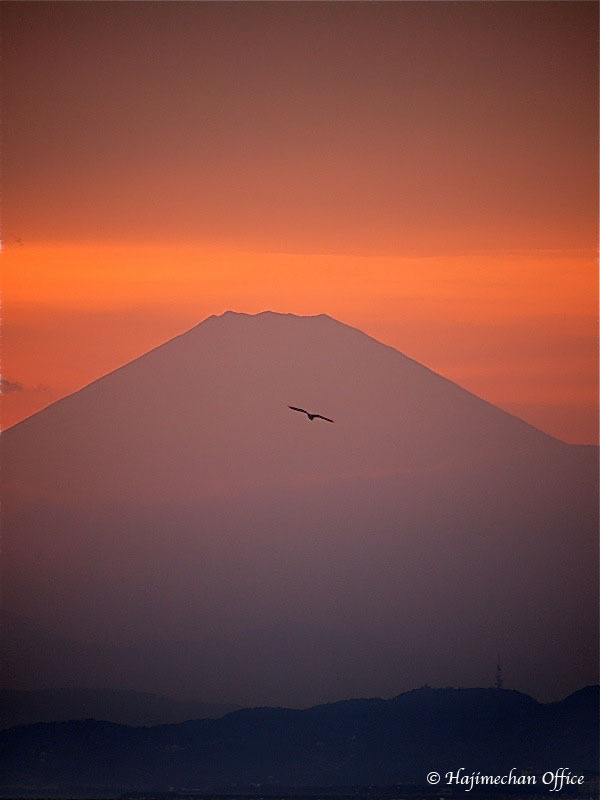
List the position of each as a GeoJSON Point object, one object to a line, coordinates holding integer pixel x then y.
{"type": "Point", "coordinates": [320, 416]}
{"type": "Point", "coordinates": [298, 409]}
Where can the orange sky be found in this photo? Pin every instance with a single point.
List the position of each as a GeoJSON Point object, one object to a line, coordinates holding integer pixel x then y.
{"type": "Point", "coordinates": [426, 172]}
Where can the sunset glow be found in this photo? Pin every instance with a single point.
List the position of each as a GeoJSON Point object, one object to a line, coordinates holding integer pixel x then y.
{"type": "Point", "coordinates": [518, 328]}
{"type": "Point", "coordinates": [428, 175]}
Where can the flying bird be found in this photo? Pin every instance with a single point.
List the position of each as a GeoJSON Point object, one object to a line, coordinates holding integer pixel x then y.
{"type": "Point", "coordinates": [311, 416]}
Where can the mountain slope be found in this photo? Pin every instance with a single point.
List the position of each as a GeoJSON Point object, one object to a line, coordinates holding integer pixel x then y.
{"type": "Point", "coordinates": [174, 527]}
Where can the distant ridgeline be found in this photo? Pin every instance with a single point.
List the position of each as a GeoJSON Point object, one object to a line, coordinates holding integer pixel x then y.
{"type": "Point", "coordinates": [341, 747]}
{"type": "Point", "coordinates": [124, 707]}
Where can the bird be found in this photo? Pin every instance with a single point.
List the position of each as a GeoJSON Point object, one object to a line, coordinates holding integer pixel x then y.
{"type": "Point", "coordinates": [311, 416]}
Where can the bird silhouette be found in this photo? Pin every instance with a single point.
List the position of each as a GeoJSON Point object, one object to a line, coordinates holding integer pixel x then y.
{"type": "Point", "coordinates": [311, 416]}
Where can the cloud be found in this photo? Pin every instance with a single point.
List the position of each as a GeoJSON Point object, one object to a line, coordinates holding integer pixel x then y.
{"type": "Point", "coordinates": [7, 386]}
{"type": "Point", "coordinates": [10, 386]}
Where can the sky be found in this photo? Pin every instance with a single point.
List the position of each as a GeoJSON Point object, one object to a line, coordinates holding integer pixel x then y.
{"type": "Point", "coordinates": [426, 172]}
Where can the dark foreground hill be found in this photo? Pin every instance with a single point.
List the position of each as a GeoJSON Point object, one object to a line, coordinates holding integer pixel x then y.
{"type": "Point", "coordinates": [353, 743]}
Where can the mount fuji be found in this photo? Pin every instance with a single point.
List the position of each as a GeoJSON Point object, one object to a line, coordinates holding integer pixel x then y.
{"type": "Point", "coordinates": [174, 528]}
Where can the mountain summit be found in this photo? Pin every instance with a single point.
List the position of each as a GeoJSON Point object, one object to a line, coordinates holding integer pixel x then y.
{"type": "Point", "coordinates": [172, 527]}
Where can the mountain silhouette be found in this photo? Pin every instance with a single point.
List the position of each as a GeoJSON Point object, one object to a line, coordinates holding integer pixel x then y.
{"type": "Point", "coordinates": [124, 707]}
{"type": "Point", "coordinates": [173, 528]}
{"type": "Point", "coordinates": [352, 744]}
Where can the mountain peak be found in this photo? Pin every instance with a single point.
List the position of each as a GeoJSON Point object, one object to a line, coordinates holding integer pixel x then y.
{"type": "Point", "coordinates": [267, 314]}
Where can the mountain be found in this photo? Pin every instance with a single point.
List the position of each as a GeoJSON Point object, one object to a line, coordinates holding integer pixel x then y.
{"type": "Point", "coordinates": [356, 743]}
{"type": "Point", "coordinates": [124, 707]}
{"type": "Point", "coordinates": [174, 528]}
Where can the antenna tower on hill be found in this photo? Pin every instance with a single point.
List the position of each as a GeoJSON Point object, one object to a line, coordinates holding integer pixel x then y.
{"type": "Point", "coordinates": [498, 674]}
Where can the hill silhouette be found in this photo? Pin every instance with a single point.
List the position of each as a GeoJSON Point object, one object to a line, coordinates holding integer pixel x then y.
{"type": "Point", "coordinates": [355, 743]}
{"type": "Point", "coordinates": [124, 707]}
{"type": "Point", "coordinates": [174, 528]}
